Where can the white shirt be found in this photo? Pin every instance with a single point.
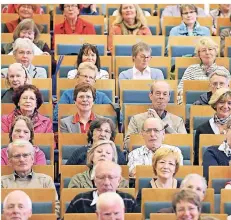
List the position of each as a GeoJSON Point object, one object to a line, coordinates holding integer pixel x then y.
{"type": "Point", "coordinates": [214, 126]}
{"type": "Point", "coordinates": [103, 74]}
{"type": "Point", "coordinates": [95, 198]}
{"type": "Point", "coordinates": [146, 74]}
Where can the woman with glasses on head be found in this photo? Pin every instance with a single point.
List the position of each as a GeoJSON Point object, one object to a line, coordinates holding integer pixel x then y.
{"type": "Point", "coordinates": [101, 150]}
{"type": "Point", "coordinates": [72, 23]}
{"type": "Point", "coordinates": [22, 128]}
{"type": "Point", "coordinates": [89, 53]}
{"type": "Point", "coordinates": [189, 25]}
{"type": "Point", "coordinates": [84, 96]}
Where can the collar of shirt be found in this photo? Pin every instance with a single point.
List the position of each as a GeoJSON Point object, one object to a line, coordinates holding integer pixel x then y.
{"type": "Point", "coordinates": [225, 147]}
{"type": "Point", "coordinates": [147, 71]}
{"type": "Point", "coordinates": [76, 118]}
{"type": "Point", "coordinates": [146, 151]}
{"type": "Point", "coordinates": [95, 198]}
{"type": "Point", "coordinates": [29, 176]}
{"type": "Point", "coordinates": [214, 126]}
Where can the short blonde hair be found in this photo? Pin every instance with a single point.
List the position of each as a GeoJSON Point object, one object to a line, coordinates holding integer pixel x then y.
{"type": "Point", "coordinates": [87, 65]}
{"type": "Point", "coordinates": [90, 153]}
{"type": "Point", "coordinates": [220, 94]}
{"type": "Point", "coordinates": [22, 43]}
{"type": "Point", "coordinates": [164, 152]}
{"type": "Point", "coordinates": [206, 42]}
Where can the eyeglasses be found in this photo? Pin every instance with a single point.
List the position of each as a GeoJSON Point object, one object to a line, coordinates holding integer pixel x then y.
{"type": "Point", "coordinates": [102, 178]}
{"type": "Point", "coordinates": [88, 77]}
{"type": "Point", "coordinates": [216, 84]}
{"type": "Point", "coordinates": [18, 156]}
{"type": "Point", "coordinates": [70, 6]}
{"type": "Point", "coordinates": [189, 12]}
{"type": "Point", "coordinates": [156, 131]}
{"type": "Point", "coordinates": [21, 52]}
{"type": "Point", "coordinates": [100, 130]}
{"type": "Point", "coordinates": [204, 50]}
{"type": "Point", "coordinates": [145, 57]}
{"type": "Point", "coordinates": [82, 97]}
{"type": "Point", "coordinates": [27, 7]}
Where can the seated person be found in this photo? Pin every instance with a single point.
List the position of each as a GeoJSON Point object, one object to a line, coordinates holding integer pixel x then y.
{"type": "Point", "coordinates": [101, 150]}
{"type": "Point", "coordinates": [207, 50]}
{"type": "Point", "coordinates": [22, 151]}
{"type": "Point", "coordinates": [194, 182]}
{"type": "Point", "coordinates": [16, 76]}
{"type": "Point", "coordinates": [21, 201]}
{"type": "Point", "coordinates": [110, 204]}
{"type": "Point", "coordinates": [27, 100]}
{"type": "Point", "coordinates": [223, 34]}
{"type": "Point", "coordinates": [224, 11]}
{"type": "Point", "coordinates": [116, 12]}
{"type": "Point", "coordinates": [86, 73]}
{"type": "Point", "coordinates": [220, 102]}
{"type": "Point", "coordinates": [12, 8]}
{"type": "Point", "coordinates": [100, 129]}
{"type": "Point", "coordinates": [72, 23]}
{"type": "Point", "coordinates": [218, 79]}
{"type": "Point", "coordinates": [160, 96]}
{"type": "Point", "coordinates": [228, 185]}
{"type": "Point", "coordinates": [218, 155]}
{"type": "Point", "coordinates": [88, 9]}
{"type": "Point", "coordinates": [129, 21]}
{"type": "Point", "coordinates": [141, 55]}
{"type": "Point", "coordinates": [107, 178]}
{"type": "Point", "coordinates": [24, 11]}
{"type": "Point", "coordinates": [22, 128]}
{"type": "Point", "coordinates": [23, 52]}
{"type": "Point", "coordinates": [88, 53]}
{"type": "Point", "coordinates": [153, 135]}
{"type": "Point", "coordinates": [84, 96]}
{"type": "Point", "coordinates": [189, 25]}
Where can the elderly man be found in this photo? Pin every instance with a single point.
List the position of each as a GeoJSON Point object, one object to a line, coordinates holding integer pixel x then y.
{"type": "Point", "coordinates": [106, 178]}
{"type": "Point", "coordinates": [86, 73]}
{"type": "Point", "coordinates": [194, 182]}
{"type": "Point", "coordinates": [160, 96]}
{"type": "Point", "coordinates": [110, 206]}
{"type": "Point", "coordinates": [153, 135]}
{"type": "Point", "coordinates": [218, 79]}
{"type": "Point", "coordinates": [17, 205]}
{"type": "Point", "coordinates": [21, 158]}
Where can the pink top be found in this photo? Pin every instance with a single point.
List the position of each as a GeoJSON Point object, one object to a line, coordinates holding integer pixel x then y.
{"type": "Point", "coordinates": [39, 156]}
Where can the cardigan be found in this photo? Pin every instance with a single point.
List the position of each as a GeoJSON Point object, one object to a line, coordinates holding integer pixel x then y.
{"type": "Point", "coordinates": [204, 99]}
{"type": "Point", "coordinates": [6, 96]}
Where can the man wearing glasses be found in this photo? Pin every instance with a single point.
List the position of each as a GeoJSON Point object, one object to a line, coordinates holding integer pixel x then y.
{"type": "Point", "coordinates": [21, 159]}
{"type": "Point", "coordinates": [153, 131]}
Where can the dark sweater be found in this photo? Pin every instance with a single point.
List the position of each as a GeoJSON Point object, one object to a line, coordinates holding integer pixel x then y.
{"type": "Point", "coordinates": [204, 99]}
{"type": "Point", "coordinates": [214, 157]}
{"type": "Point", "coordinates": [205, 128]}
{"type": "Point", "coordinates": [79, 156]}
{"type": "Point", "coordinates": [7, 96]}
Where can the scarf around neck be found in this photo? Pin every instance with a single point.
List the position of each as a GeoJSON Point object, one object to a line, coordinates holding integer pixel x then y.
{"type": "Point", "coordinates": [130, 29]}
{"type": "Point", "coordinates": [221, 121]}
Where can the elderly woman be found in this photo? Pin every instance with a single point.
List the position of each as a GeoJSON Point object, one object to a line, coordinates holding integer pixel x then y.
{"type": "Point", "coordinates": [23, 52]}
{"type": "Point", "coordinates": [72, 23]}
{"type": "Point", "coordinates": [89, 53]}
{"type": "Point", "coordinates": [221, 103]}
{"type": "Point", "coordinates": [218, 155]}
{"type": "Point", "coordinates": [187, 205]}
{"type": "Point", "coordinates": [207, 50]}
{"type": "Point", "coordinates": [129, 21]}
{"type": "Point", "coordinates": [28, 99]}
{"type": "Point", "coordinates": [28, 29]}
{"type": "Point", "coordinates": [189, 25]}
{"type": "Point", "coordinates": [84, 97]}
{"type": "Point", "coordinates": [22, 128]}
{"type": "Point", "coordinates": [141, 55]}
{"type": "Point", "coordinates": [24, 11]}
{"type": "Point", "coordinates": [16, 76]}
{"type": "Point", "coordinates": [100, 151]}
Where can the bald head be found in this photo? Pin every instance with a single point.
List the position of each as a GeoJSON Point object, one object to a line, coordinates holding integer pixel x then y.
{"type": "Point", "coordinates": [17, 204]}
{"type": "Point", "coordinates": [155, 121]}
{"type": "Point", "coordinates": [106, 166]}
{"type": "Point", "coordinates": [16, 67]}
{"type": "Point", "coordinates": [160, 84]}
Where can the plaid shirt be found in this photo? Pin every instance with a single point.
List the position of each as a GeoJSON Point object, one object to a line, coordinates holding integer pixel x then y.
{"type": "Point", "coordinates": [82, 203]}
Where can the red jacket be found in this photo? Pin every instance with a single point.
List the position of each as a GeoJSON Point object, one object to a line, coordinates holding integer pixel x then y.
{"type": "Point", "coordinates": [12, 25]}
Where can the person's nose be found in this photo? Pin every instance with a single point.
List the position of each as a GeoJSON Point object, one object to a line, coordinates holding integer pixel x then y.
{"type": "Point", "coordinates": [186, 212]}
{"type": "Point", "coordinates": [15, 209]}
{"type": "Point", "coordinates": [21, 134]}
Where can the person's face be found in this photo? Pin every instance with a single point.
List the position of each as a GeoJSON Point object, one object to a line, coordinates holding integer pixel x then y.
{"type": "Point", "coordinates": [16, 208]}
{"type": "Point", "coordinates": [223, 108]}
{"type": "Point", "coordinates": [160, 96]}
{"type": "Point", "coordinates": [71, 11]}
{"type": "Point", "coordinates": [24, 56]}
{"type": "Point", "coordinates": [27, 34]}
{"type": "Point", "coordinates": [89, 56]}
{"type": "Point", "coordinates": [107, 179]}
{"type": "Point", "coordinates": [111, 212]}
{"type": "Point", "coordinates": [87, 76]}
{"type": "Point", "coordinates": [166, 167]}
{"type": "Point", "coordinates": [225, 7]}
{"type": "Point", "coordinates": [128, 11]}
{"type": "Point", "coordinates": [197, 186]}
{"type": "Point", "coordinates": [16, 76]}
{"type": "Point", "coordinates": [217, 82]}
{"type": "Point", "coordinates": [187, 211]}
{"type": "Point", "coordinates": [84, 101]}
{"type": "Point", "coordinates": [28, 101]}
{"type": "Point", "coordinates": [102, 133]}
{"type": "Point", "coordinates": [102, 153]}
{"type": "Point", "coordinates": [189, 16]}
{"type": "Point", "coordinates": [25, 11]}
{"type": "Point", "coordinates": [21, 159]}
{"type": "Point", "coordinates": [21, 131]}
{"type": "Point", "coordinates": [153, 134]}
{"type": "Point", "coordinates": [142, 59]}
{"type": "Point", "coordinates": [207, 55]}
